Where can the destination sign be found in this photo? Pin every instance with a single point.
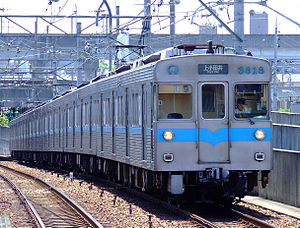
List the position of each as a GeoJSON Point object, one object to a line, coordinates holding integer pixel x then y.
{"type": "Point", "coordinates": [212, 68]}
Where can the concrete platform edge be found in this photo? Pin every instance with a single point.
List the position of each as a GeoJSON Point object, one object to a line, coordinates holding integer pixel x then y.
{"type": "Point", "coordinates": [273, 205]}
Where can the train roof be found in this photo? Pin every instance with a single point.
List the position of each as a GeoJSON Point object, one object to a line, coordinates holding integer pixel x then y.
{"type": "Point", "coordinates": [179, 50]}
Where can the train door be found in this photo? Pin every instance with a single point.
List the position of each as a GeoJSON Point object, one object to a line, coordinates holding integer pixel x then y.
{"type": "Point", "coordinates": [213, 129]}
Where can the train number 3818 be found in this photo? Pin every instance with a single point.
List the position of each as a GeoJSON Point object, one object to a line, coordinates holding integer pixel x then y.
{"type": "Point", "coordinates": [250, 70]}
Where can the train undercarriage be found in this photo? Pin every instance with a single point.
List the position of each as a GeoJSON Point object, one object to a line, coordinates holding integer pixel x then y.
{"type": "Point", "coordinates": [210, 186]}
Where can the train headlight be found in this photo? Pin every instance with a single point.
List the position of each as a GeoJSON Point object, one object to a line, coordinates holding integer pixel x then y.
{"type": "Point", "coordinates": [259, 134]}
{"type": "Point", "coordinates": [168, 135]}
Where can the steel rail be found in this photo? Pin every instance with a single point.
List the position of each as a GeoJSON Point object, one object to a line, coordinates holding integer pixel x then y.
{"type": "Point", "coordinates": [177, 211]}
{"type": "Point", "coordinates": [24, 198]}
{"type": "Point", "coordinates": [82, 212]}
{"type": "Point", "coordinates": [255, 221]}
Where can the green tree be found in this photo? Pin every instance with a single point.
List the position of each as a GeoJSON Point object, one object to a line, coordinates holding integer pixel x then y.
{"type": "Point", "coordinates": [11, 114]}
{"type": "Point", "coordinates": [104, 68]}
{"type": "Point", "coordinates": [3, 120]}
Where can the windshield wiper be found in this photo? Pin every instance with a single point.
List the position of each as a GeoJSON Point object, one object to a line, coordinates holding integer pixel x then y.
{"type": "Point", "coordinates": [251, 121]}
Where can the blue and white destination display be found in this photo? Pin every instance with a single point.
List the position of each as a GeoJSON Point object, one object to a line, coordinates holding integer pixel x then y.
{"type": "Point", "coordinates": [212, 68]}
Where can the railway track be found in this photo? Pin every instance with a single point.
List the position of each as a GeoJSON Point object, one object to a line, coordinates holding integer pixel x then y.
{"type": "Point", "coordinates": [214, 218]}
{"type": "Point", "coordinates": [49, 206]}
{"type": "Point", "coordinates": [233, 219]}
{"type": "Point", "coordinates": [198, 220]}
{"type": "Point", "coordinates": [252, 220]}
{"type": "Point", "coordinates": [202, 222]}
{"type": "Point", "coordinates": [221, 217]}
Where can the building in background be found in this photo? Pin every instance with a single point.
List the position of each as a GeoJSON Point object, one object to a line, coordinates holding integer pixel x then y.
{"type": "Point", "coordinates": [207, 29]}
{"type": "Point", "coordinates": [258, 22]}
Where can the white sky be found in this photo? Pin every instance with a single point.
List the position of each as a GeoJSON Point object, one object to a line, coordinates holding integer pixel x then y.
{"type": "Point", "coordinates": [290, 8]}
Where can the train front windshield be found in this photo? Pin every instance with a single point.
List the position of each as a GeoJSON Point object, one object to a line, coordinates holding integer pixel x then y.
{"type": "Point", "coordinates": [251, 101]}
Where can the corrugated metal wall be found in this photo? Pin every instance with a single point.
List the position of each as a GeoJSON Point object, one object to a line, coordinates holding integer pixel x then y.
{"type": "Point", "coordinates": [284, 183]}
{"type": "Point", "coordinates": [4, 141]}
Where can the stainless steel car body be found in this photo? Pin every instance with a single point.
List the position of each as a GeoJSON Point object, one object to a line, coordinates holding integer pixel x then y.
{"type": "Point", "coordinates": [171, 116]}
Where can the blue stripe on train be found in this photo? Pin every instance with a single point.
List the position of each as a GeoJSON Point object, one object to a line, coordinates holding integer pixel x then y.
{"type": "Point", "coordinates": [109, 129]}
{"type": "Point", "coordinates": [205, 135]}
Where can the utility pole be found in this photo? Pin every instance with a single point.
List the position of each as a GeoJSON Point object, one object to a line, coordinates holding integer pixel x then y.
{"type": "Point", "coordinates": [104, 2]}
{"type": "Point", "coordinates": [78, 62]}
{"type": "Point", "coordinates": [118, 19]}
{"type": "Point", "coordinates": [274, 87]}
{"type": "Point", "coordinates": [239, 25]}
{"type": "Point", "coordinates": [219, 20]}
{"type": "Point", "coordinates": [54, 62]}
{"type": "Point", "coordinates": [146, 31]}
{"type": "Point", "coordinates": [172, 22]}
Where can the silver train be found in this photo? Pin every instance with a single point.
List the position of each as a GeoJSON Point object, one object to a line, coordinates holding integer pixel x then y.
{"type": "Point", "coordinates": [189, 122]}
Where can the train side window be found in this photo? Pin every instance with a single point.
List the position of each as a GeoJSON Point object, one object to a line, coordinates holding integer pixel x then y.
{"type": "Point", "coordinates": [29, 128]}
{"type": "Point", "coordinates": [136, 110]}
{"type": "Point", "coordinates": [70, 118]}
{"type": "Point", "coordinates": [139, 108]}
{"type": "Point", "coordinates": [142, 111]}
{"type": "Point", "coordinates": [127, 121]}
{"type": "Point", "coordinates": [38, 124]}
{"type": "Point", "coordinates": [32, 128]}
{"type": "Point", "coordinates": [44, 116]}
{"type": "Point", "coordinates": [90, 119]}
{"type": "Point", "coordinates": [54, 126]}
{"type": "Point", "coordinates": [59, 126]}
{"type": "Point", "coordinates": [134, 105]}
{"type": "Point", "coordinates": [213, 106]}
{"type": "Point", "coordinates": [49, 127]}
{"type": "Point", "coordinates": [101, 120]}
{"type": "Point", "coordinates": [174, 101]}
{"type": "Point", "coordinates": [97, 113]}
{"type": "Point", "coordinates": [27, 132]}
{"type": "Point", "coordinates": [107, 111]}
{"type": "Point", "coordinates": [35, 126]}
{"type": "Point", "coordinates": [122, 111]}
{"type": "Point", "coordinates": [119, 109]}
{"type": "Point", "coordinates": [81, 122]}
{"type": "Point", "coordinates": [67, 118]}
{"type": "Point", "coordinates": [78, 115]}
{"type": "Point", "coordinates": [85, 114]}
{"type": "Point", "coordinates": [74, 123]}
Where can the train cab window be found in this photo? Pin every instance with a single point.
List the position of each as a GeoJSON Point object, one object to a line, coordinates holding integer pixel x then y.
{"type": "Point", "coordinates": [174, 101]}
{"type": "Point", "coordinates": [251, 101]}
{"type": "Point", "coordinates": [213, 106]}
